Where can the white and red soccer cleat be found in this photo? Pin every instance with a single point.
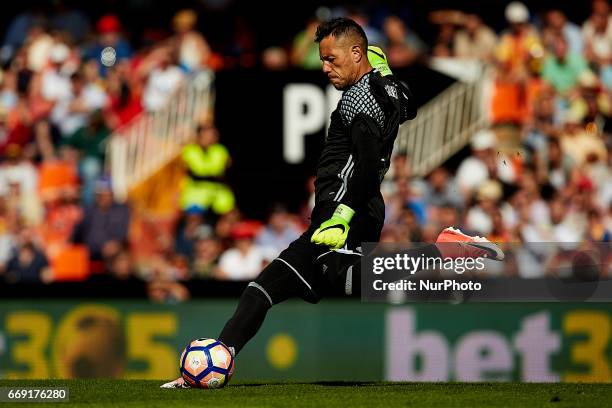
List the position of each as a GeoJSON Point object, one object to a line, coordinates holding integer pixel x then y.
{"type": "Point", "coordinates": [467, 246]}
{"type": "Point", "coordinates": [178, 383]}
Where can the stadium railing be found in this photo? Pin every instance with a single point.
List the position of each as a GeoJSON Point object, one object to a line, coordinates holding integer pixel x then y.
{"type": "Point", "coordinates": [140, 148]}
{"type": "Point", "coordinates": [445, 124]}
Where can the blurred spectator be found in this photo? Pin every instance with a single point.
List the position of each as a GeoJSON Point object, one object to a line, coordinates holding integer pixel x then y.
{"type": "Point", "coordinates": [275, 59]}
{"type": "Point", "coordinates": [542, 122]}
{"type": "Point", "coordinates": [403, 46]}
{"type": "Point", "coordinates": [399, 170]}
{"type": "Point", "coordinates": [279, 232]}
{"type": "Point", "coordinates": [558, 165]}
{"type": "Point", "coordinates": [597, 35]}
{"type": "Point", "coordinates": [447, 22]}
{"type": "Point", "coordinates": [206, 162]}
{"type": "Point", "coordinates": [444, 44]}
{"type": "Point", "coordinates": [16, 123]}
{"type": "Point", "coordinates": [56, 85]}
{"type": "Point", "coordinates": [17, 169]}
{"type": "Point", "coordinates": [597, 230]}
{"type": "Point", "coordinates": [193, 49]}
{"type": "Point", "coordinates": [17, 32]}
{"type": "Point", "coordinates": [408, 226]}
{"type": "Point", "coordinates": [520, 43]}
{"type": "Point", "coordinates": [28, 264]}
{"type": "Point", "coordinates": [406, 195]}
{"type": "Point", "coordinates": [479, 217]}
{"type": "Point", "coordinates": [557, 25]}
{"type": "Point", "coordinates": [125, 101]}
{"type": "Point", "coordinates": [449, 216]}
{"type": "Point", "coordinates": [207, 250]}
{"type": "Point", "coordinates": [474, 40]}
{"type": "Point", "coordinates": [246, 259]}
{"type": "Point", "coordinates": [483, 164]}
{"type": "Point", "coordinates": [18, 182]}
{"type": "Point", "coordinates": [90, 145]}
{"type": "Point", "coordinates": [567, 225]}
{"type": "Point", "coordinates": [62, 214]}
{"type": "Point", "coordinates": [120, 267]}
{"type": "Point", "coordinates": [581, 145]}
{"type": "Point", "coordinates": [39, 47]}
{"type": "Point", "coordinates": [9, 230]}
{"type": "Point", "coordinates": [110, 48]}
{"type": "Point", "coordinates": [39, 107]}
{"type": "Point", "coordinates": [164, 291]}
{"type": "Point", "coordinates": [8, 91]}
{"type": "Point", "coordinates": [563, 67]}
{"type": "Point", "coordinates": [225, 226]}
{"type": "Point", "coordinates": [305, 51]}
{"type": "Point", "coordinates": [590, 102]}
{"type": "Point", "coordinates": [190, 229]}
{"type": "Point", "coordinates": [362, 18]}
{"type": "Point", "coordinates": [163, 78]}
{"type": "Point", "coordinates": [58, 176]}
{"type": "Point", "coordinates": [441, 189]}
{"type": "Point", "coordinates": [500, 233]}
{"type": "Point", "coordinates": [104, 228]}
{"type": "Point", "coordinates": [69, 20]}
{"type": "Point", "coordinates": [71, 114]}
{"type": "Point", "coordinates": [518, 57]}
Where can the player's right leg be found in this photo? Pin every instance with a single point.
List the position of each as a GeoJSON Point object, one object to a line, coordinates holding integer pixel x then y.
{"type": "Point", "coordinates": [454, 243]}
{"type": "Point", "coordinates": [342, 269]}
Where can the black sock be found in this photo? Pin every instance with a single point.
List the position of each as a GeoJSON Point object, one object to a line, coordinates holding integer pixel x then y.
{"type": "Point", "coordinates": [247, 319]}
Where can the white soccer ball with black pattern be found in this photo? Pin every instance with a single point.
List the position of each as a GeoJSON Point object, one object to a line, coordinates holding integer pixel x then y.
{"type": "Point", "coordinates": [206, 363]}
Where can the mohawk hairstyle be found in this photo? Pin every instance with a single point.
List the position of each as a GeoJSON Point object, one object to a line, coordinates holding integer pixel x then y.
{"type": "Point", "coordinates": [339, 27]}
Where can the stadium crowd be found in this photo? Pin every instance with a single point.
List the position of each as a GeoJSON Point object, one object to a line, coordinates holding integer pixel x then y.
{"type": "Point", "coordinates": [541, 173]}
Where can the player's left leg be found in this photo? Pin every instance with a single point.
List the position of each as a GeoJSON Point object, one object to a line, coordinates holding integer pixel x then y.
{"type": "Point", "coordinates": [287, 276]}
{"type": "Point", "coordinates": [292, 274]}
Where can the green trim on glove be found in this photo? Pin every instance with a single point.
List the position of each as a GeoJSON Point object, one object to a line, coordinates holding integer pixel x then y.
{"type": "Point", "coordinates": [378, 60]}
{"type": "Point", "coordinates": [333, 232]}
{"type": "Point", "coordinates": [345, 212]}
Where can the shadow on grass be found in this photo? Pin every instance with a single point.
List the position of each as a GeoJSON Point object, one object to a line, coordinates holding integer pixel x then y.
{"type": "Point", "coordinates": [322, 383]}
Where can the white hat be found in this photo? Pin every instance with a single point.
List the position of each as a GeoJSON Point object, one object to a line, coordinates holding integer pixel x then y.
{"type": "Point", "coordinates": [516, 12]}
{"type": "Point", "coordinates": [483, 139]}
{"type": "Point", "coordinates": [59, 53]}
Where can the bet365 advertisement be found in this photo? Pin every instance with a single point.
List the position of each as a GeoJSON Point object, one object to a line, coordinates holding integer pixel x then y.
{"type": "Point", "coordinates": [335, 340]}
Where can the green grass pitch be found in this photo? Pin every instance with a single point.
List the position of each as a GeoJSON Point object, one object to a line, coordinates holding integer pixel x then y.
{"type": "Point", "coordinates": [140, 393]}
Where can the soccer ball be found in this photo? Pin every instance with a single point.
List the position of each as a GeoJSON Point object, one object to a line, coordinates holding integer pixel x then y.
{"type": "Point", "coordinates": [206, 363]}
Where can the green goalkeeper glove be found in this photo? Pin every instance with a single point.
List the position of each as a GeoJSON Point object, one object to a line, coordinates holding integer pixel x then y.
{"type": "Point", "coordinates": [378, 60]}
{"type": "Point", "coordinates": [334, 231]}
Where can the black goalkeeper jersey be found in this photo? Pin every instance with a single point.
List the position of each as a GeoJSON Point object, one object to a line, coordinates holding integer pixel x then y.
{"type": "Point", "coordinates": [359, 142]}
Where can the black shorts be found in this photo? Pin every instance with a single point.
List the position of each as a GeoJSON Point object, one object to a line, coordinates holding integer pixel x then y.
{"type": "Point", "coordinates": [306, 270]}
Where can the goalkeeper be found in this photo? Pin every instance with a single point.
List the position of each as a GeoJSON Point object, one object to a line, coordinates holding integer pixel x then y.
{"type": "Point", "coordinates": [349, 208]}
